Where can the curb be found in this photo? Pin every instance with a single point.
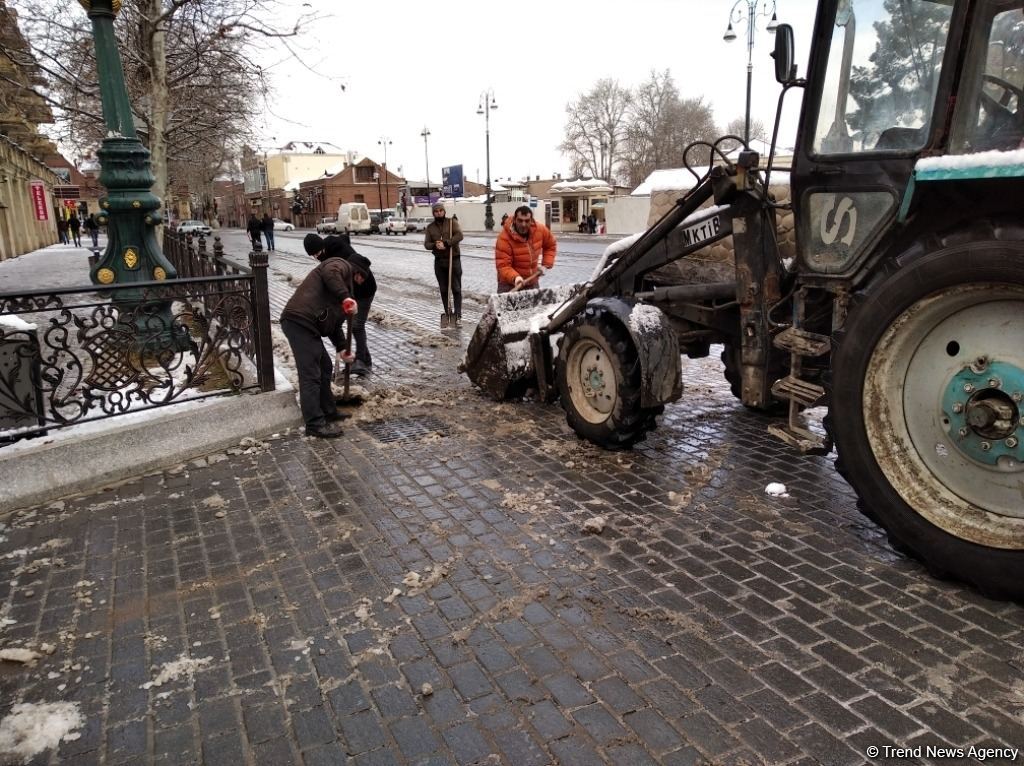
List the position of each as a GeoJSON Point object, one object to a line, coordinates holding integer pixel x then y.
{"type": "Point", "coordinates": [83, 462]}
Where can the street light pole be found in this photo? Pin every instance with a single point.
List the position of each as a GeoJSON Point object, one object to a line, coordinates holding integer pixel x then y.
{"type": "Point", "coordinates": [385, 142]}
{"type": "Point", "coordinates": [486, 105]}
{"type": "Point", "coordinates": [426, 159]}
{"type": "Point", "coordinates": [380, 198]}
{"type": "Point", "coordinates": [739, 15]}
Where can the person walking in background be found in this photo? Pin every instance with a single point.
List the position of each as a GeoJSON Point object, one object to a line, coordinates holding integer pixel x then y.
{"type": "Point", "coordinates": [592, 223]}
{"type": "Point", "coordinates": [268, 230]}
{"type": "Point", "coordinates": [442, 239]}
{"type": "Point", "coordinates": [76, 229]}
{"type": "Point", "coordinates": [254, 228]}
{"type": "Point", "coordinates": [93, 227]}
{"type": "Point", "coordinates": [524, 251]}
{"type": "Point", "coordinates": [62, 229]}
{"type": "Point", "coordinates": [318, 310]}
{"type": "Point", "coordinates": [340, 245]}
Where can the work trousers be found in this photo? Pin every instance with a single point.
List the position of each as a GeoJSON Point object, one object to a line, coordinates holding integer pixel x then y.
{"type": "Point", "coordinates": [441, 272]}
{"type": "Point", "coordinates": [269, 234]}
{"type": "Point", "coordinates": [313, 364]}
{"type": "Point", "coordinates": [359, 330]}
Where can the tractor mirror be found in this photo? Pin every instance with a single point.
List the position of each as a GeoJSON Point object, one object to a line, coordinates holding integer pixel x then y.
{"type": "Point", "coordinates": [783, 53]}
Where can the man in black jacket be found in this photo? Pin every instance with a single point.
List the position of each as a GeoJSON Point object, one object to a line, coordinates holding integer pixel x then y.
{"type": "Point", "coordinates": [318, 310]}
{"type": "Point", "coordinates": [442, 239]}
{"type": "Point", "coordinates": [340, 246]}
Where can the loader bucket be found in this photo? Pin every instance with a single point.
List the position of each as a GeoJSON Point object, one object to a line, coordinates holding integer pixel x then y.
{"type": "Point", "coordinates": [498, 358]}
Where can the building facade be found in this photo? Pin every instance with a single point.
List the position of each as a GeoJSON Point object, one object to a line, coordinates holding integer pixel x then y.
{"type": "Point", "coordinates": [363, 181]}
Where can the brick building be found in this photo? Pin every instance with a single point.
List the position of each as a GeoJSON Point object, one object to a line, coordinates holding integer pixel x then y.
{"type": "Point", "coordinates": [355, 182]}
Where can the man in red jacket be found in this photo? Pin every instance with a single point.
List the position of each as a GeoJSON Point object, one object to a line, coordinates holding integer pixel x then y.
{"type": "Point", "coordinates": [525, 249]}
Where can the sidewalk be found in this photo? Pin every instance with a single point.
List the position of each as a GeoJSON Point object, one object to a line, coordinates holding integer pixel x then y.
{"type": "Point", "coordinates": [424, 591]}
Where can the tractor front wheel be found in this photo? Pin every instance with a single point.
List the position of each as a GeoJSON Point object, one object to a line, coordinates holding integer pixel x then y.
{"type": "Point", "coordinates": [598, 374]}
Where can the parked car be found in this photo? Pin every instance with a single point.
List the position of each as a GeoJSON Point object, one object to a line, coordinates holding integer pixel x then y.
{"type": "Point", "coordinates": [418, 224]}
{"type": "Point", "coordinates": [280, 225]}
{"type": "Point", "coordinates": [326, 226]}
{"type": "Point", "coordinates": [195, 228]}
{"type": "Point", "coordinates": [394, 224]}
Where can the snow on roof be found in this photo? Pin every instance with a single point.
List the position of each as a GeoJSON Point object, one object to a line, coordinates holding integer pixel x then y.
{"type": "Point", "coordinates": [496, 187]}
{"type": "Point", "coordinates": [668, 179]}
{"type": "Point", "coordinates": [992, 159]}
{"type": "Point", "coordinates": [581, 185]}
{"type": "Point", "coordinates": [310, 147]}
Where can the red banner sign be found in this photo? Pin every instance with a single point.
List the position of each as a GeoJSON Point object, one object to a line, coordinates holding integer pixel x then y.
{"type": "Point", "coordinates": [38, 192]}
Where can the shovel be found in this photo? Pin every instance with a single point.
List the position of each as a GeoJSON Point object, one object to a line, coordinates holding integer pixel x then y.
{"type": "Point", "coordinates": [348, 399]}
{"type": "Point", "coordinates": [448, 318]}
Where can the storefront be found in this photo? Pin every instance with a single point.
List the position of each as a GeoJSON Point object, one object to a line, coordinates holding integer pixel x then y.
{"type": "Point", "coordinates": [574, 201]}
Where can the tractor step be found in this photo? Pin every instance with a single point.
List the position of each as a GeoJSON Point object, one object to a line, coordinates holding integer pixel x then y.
{"type": "Point", "coordinates": [805, 441]}
{"type": "Point", "coordinates": [803, 392]}
{"type": "Point", "coordinates": [797, 341]}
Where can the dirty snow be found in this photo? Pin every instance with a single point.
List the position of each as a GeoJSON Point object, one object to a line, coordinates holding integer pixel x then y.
{"type": "Point", "coordinates": [776, 490]}
{"type": "Point", "coordinates": [15, 323]}
{"type": "Point", "coordinates": [595, 525]}
{"type": "Point", "coordinates": [645, 319]}
{"type": "Point", "coordinates": [24, 656]}
{"type": "Point", "coordinates": [31, 728]}
{"type": "Point", "coordinates": [183, 666]}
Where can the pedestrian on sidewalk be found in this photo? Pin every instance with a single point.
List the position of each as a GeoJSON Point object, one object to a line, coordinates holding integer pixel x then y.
{"type": "Point", "coordinates": [340, 246]}
{"type": "Point", "coordinates": [592, 223]}
{"type": "Point", "coordinates": [524, 251]}
{"type": "Point", "coordinates": [93, 227]}
{"type": "Point", "coordinates": [442, 239]}
{"type": "Point", "coordinates": [255, 229]}
{"type": "Point", "coordinates": [268, 230]}
{"type": "Point", "coordinates": [318, 309]}
{"type": "Point", "coordinates": [62, 229]}
{"type": "Point", "coordinates": [76, 229]}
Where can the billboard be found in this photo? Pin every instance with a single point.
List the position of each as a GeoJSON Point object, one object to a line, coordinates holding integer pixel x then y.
{"type": "Point", "coordinates": [451, 181]}
{"type": "Point", "coordinates": [38, 192]}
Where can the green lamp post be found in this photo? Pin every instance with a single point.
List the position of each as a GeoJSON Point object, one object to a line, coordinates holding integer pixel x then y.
{"type": "Point", "coordinates": [130, 211]}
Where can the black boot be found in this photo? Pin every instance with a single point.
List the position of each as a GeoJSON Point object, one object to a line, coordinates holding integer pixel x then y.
{"type": "Point", "coordinates": [325, 431]}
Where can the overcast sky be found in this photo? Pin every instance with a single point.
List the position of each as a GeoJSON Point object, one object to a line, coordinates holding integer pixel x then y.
{"type": "Point", "coordinates": [406, 65]}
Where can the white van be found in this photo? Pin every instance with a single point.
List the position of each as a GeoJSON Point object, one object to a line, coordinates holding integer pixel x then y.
{"type": "Point", "coordinates": [353, 218]}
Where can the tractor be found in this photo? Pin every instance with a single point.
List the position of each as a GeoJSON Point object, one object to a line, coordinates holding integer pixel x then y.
{"type": "Point", "coordinates": [898, 313]}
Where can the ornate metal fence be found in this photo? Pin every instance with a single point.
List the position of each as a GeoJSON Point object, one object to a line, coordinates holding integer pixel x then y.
{"type": "Point", "coordinates": [79, 354]}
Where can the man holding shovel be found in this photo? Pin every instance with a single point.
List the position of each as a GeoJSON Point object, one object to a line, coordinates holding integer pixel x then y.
{"type": "Point", "coordinates": [442, 239]}
{"type": "Point", "coordinates": [317, 310]}
{"type": "Point", "coordinates": [524, 250]}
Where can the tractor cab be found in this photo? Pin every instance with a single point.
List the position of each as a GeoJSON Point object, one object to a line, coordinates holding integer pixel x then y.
{"type": "Point", "coordinates": [891, 83]}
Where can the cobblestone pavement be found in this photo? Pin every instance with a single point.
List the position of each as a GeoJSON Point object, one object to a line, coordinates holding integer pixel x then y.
{"type": "Point", "coordinates": [422, 591]}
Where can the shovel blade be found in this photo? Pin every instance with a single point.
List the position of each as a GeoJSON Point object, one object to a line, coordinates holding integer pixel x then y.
{"type": "Point", "coordinates": [447, 320]}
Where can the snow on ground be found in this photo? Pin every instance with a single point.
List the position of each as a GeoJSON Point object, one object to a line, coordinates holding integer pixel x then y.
{"type": "Point", "coordinates": [183, 666]}
{"type": "Point", "coordinates": [31, 728]}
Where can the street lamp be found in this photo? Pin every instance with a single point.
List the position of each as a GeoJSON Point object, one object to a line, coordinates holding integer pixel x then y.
{"type": "Point", "coordinates": [385, 142]}
{"type": "Point", "coordinates": [380, 198]}
{"type": "Point", "coordinates": [426, 159]}
{"type": "Point", "coordinates": [747, 11]}
{"type": "Point", "coordinates": [486, 105]}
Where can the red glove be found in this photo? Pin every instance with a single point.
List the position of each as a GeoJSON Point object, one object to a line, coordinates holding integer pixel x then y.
{"type": "Point", "coordinates": [347, 357]}
{"type": "Point", "coordinates": [349, 306]}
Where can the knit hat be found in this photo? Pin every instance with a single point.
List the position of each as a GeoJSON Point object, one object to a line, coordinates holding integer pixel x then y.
{"type": "Point", "coordinates": [361, 262]}
{"type": "Point", "coordinates": [436, 205]}
{"type": "Point", "coordinates": [313, 243]}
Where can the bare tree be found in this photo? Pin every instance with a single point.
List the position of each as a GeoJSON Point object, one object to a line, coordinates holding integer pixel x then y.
{"type": "Point", "coordinates": [738, 125]}
{"type": "Point", "coordinates": [595, 130]}
{"type": "Point", "coordinates": [190, 67]}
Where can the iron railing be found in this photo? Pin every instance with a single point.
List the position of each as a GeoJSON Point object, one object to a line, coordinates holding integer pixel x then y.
{"type": "Point", "coordinates": [78, 354]}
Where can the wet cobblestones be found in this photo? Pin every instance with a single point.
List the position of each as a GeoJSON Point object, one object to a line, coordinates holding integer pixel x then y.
{"type": "Point", "coordinates": [433, 599]}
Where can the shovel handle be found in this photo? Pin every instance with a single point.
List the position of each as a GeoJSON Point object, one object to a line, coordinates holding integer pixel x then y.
{"type": "Point", "coordinates": [526, 281]}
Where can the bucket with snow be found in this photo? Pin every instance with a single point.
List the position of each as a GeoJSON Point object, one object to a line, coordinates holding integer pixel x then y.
{"type": "Point", "coordinates": [498, 358]}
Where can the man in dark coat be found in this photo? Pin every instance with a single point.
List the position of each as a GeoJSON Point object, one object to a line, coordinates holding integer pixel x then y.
{"type": "Point", "coordinates": [76, 229]}
{"type": "Point", "coordinates": [442, 239]}
{"type": "Point", "coordinates": [254, 228]}
{"type": "Point", "coordinates": [267, 224]}
{"type": "Point", "coordinates": [340, 246]}
{"type": "Point", "coordinates": [318, 310]}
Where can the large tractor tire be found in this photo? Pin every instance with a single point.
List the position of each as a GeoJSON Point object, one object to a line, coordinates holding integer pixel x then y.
{"type": "Point", "coordinates": [598, 373]}
{"type": "Point", "coordinates": [732, 359]}
{"type": "Point", "coordinates": [927, 405]}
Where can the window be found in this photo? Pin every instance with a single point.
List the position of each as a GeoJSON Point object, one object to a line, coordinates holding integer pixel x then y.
{"type": "Point", "coordinates": [364, 174]}
{"type": "Point", "coordinates": [360, 198]}
{"type": "Point", "coordinates": [555, 212]}
{"type": "Point", "coordinates": [990, 108]}
{"type": "Point", "coordinates": [882, 72]}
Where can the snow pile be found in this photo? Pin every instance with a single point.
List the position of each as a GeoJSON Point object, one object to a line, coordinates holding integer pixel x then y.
{"type": "Point", "coordinates": [31, 728]}
{"type": "Point", "coordinates": [16, 324]}
{"type": "Point", "coordinates": [990, 159]}
{"type": "Point", "coordinates": [24, 656]}
{"type": "Point", "coordinates": [776, 489]}
{"type": "Point", "coordinates": [184, 665]}
{"type": "Point", "coordinates": [595, 525]}
{"type": "Point", "coordinates": [645, 319]}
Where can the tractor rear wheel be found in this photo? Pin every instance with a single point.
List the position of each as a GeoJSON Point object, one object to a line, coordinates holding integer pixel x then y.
{"type": "Point", "coordinates": [927, 405]}
{"type": "Point", "coordinates": [598, 373]}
